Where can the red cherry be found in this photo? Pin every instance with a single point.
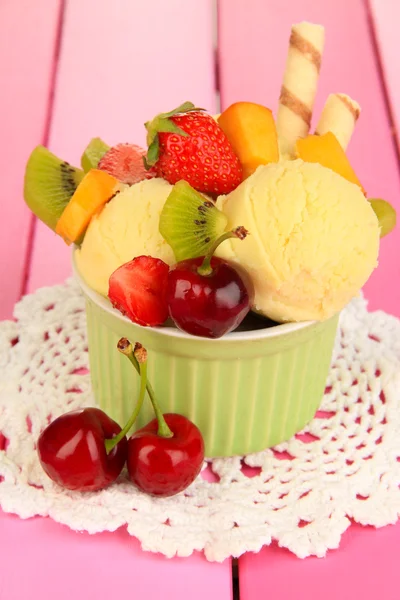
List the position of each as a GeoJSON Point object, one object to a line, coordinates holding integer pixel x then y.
{"type": "Point", "coordinates": [207, 305]}
{"type": "Point", "coordinates": [72, 450]}
{"type": "Point", "coordinates": [164, 466]}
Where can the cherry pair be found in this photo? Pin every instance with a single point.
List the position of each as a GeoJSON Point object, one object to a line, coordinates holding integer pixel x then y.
{"type": "Point", "coordinates": [204, 296]}
{"type": "Point", "coordinates": [86, 450]}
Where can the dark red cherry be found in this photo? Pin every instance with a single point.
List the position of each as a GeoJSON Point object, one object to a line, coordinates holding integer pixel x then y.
{"type": "Point", "coordinates": [208, 305]}
{"type": "Point", "coordinates": [72, 450]}
{"type": "Point", "coordinates": [164, 466]}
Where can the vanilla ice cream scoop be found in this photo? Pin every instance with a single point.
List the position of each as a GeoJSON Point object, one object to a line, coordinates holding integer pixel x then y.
{"type": "Point", "coordinates": [313, 243]}
{"type": "Point", "coordinates": [125, 228]}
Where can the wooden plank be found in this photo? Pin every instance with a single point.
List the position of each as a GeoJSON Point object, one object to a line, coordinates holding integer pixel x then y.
{"type": "Point", "coordinates": [385, 19]}
{"type": "Point", "coordinates": [365, 567]}
{"type": "Point", "coordinates": [121, 63]}
{"type": "Point", "coordinates": [59, 563]}
{"type": "Point", "coordinates": [253, 39]}
{"type": "Point", "coordinates": [28, 32]}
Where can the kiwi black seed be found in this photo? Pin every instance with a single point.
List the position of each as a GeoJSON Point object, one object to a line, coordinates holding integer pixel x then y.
{"type": "Point", "coordinates": [189, 222]}
{"type": "Point", "coordinates": [49, 185]}
{"type": "Point", "coordinates": [93, 153]}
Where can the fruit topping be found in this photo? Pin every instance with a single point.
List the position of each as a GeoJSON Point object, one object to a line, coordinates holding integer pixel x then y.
{"type": "Point", "coordinates": [326, 150]}
{"type": "Point", "coordinates": [251, 130]}
{"type": "Point", "coordinates": [93, 152]}
{"type": "Point", "coordinates": [189, 222]}
{"type": "Point", "coordinates": [166, 455]}
{"type": "Point", "coordinates": [125, 162]}
{"type": "Point", "coordinates": [95, 189]}
{"type": "Point", "coordinates": [386, 215]}
{"type": "Point", "coordinates": [207, 296]}
{"type": "Point", "coordinates": [138, 289]}
{"type": "Point", "coordinates": [49, 185]}
{"type": "Point", "coordinates": [188, 144]}
{"type": "Point", "coordinates": [72, 450]}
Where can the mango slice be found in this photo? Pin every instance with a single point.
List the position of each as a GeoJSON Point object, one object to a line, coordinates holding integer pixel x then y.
{"type": "Point", "coordinates": [327, 151]}
{"type": "Point", "coordinates": [95, 189]}
{"type": "Point", "coordinates": [251, 130]}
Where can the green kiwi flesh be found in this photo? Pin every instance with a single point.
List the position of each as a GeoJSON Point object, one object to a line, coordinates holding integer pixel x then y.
{"type": "Point", "coordinates": [49, 185]}
{"type": "Point", "coordinates": [386, 215]}
{"type": "Point", "coordinates": [93, 153]}
{"type": "Point", "coordinates": [190, 222]}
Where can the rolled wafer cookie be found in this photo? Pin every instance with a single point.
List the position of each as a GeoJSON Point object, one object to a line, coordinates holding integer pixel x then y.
{"type": "Point", "coordinates": [299, 85]}
{"type": "Point", "coordinates": [339, 116]}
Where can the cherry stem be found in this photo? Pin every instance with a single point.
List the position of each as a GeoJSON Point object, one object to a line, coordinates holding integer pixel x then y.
{"type": "Point", "coordinates": [134, 357]}
{"type": "Point", "coordinates": [205, 267]}
{"type": "Point", "coordinates": [139, 355]}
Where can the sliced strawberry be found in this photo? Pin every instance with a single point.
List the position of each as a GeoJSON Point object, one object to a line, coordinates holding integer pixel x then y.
{"type": "Point", "coordinates": [138, 289]}
{"type": "Point", "coordinates": [125, 162]}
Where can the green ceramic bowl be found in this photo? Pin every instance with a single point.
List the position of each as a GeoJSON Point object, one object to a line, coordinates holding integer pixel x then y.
{"type": "Point", "coordinates": [246, 391]}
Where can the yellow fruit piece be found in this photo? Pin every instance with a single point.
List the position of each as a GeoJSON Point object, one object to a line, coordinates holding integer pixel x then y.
{"type": "Point", "coordinates": [386, 214]}
{"type": "Point", "coordinates": [326, 150]}
{"type": "Point", "coordinates": [251, 130]}
{"type": "Point", "coordinates": [95, 189]}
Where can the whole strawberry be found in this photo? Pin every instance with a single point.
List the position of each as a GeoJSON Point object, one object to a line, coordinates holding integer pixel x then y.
{"type": "Point", "coordinates": [188, 144]}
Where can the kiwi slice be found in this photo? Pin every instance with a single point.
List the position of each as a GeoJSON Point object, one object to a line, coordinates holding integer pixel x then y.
{"type": "Point", "coordinates": [386, 215]}
{"type": "Point", "coordinates": [49, 184]}
{"type": "Point", "coordinates": [93, 153]}
{"type": "Point", "coordinates": [190, 222]}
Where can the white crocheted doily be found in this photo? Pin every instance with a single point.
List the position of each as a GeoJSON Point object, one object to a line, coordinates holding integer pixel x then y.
{"type": "Point", "coordinates": [345, 465]}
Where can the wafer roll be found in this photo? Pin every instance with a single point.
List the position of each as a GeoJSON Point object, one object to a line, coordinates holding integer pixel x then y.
{"type": "Point", "coordinates": [299, 84]}
{"type": "Point", "coordinates": [339, 116]}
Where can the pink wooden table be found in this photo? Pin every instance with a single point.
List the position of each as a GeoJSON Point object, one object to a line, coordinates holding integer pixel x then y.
{"type": "Point", "coordinates": [74, 69]}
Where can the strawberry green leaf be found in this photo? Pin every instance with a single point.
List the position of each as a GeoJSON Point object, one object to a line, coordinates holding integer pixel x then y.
{"type": "Point", "coordinates": [152, 153]}
{"type": "Point", "coordinates": [170, 127]}
{"type": "Point", "coordinates": [185, 107]}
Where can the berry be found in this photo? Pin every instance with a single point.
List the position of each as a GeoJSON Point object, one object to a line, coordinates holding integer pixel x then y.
{"type": "Point", "coordinates": [72, 450]}
{"type": "Point", "coordinates": [188, 144]}
{"type": "Point", "coordinates": [164, 466]}
{"type": "Point", "coordinates": [138, 289]}
{"type": "Point", "coordinates": [207, 296]}
{"type": "Point", "coordinates": [125, 162]}
{"type": "Point", "coordinates": [166, 455]}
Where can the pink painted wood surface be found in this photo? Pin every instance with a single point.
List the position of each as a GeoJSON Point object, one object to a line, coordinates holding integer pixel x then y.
{"type": "Point", "coordinates": [121, 63]}
{"type": "Point", "coordinates": [253, 43]}
{"type": "Point", "coordinates": [45, 560]}
{"type": "Point", "coordinates": [385, 15]}
{"type": "Point", "coordinates": [28, 33]}
{"type": "Point", "coordinates": [253, 38]}
{"type": "Point", "coordinates": [77, 117]}
{"type": "Point", "coordinates": [365, 567]}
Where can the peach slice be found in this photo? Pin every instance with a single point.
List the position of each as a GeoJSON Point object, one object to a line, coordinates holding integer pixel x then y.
{"type": "Point", "coordinates": [251, 130]}
{"type": "Point", "coordinates": [327, 151]}
{"type": "Point", "coordinates": [95, 189]}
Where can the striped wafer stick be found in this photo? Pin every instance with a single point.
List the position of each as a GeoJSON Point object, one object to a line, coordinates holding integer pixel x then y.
{"type": "Point", "coordinates": [339, 116]}
{"type": "Point", "coordinates": [299, 84]}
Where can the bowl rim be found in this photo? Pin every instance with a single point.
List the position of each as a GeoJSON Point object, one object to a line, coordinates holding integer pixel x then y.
{"type": "Point", "coordinates": [234, 336]}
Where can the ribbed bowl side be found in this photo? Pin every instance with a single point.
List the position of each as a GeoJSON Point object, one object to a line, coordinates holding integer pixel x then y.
{"type": "Point", "coordinates": [242, 402]}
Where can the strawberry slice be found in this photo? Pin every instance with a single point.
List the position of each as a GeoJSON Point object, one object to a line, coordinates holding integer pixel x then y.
{"type": "Point", "coordinates": [125, 162]}
{"type": "Point", "coordinates": [138, 289]}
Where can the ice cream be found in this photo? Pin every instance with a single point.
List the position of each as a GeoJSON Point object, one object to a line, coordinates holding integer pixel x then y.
{"type": "Point", "coordinates": [126, 227]}
{"type": "Point", "coordinates": [313, 242]}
